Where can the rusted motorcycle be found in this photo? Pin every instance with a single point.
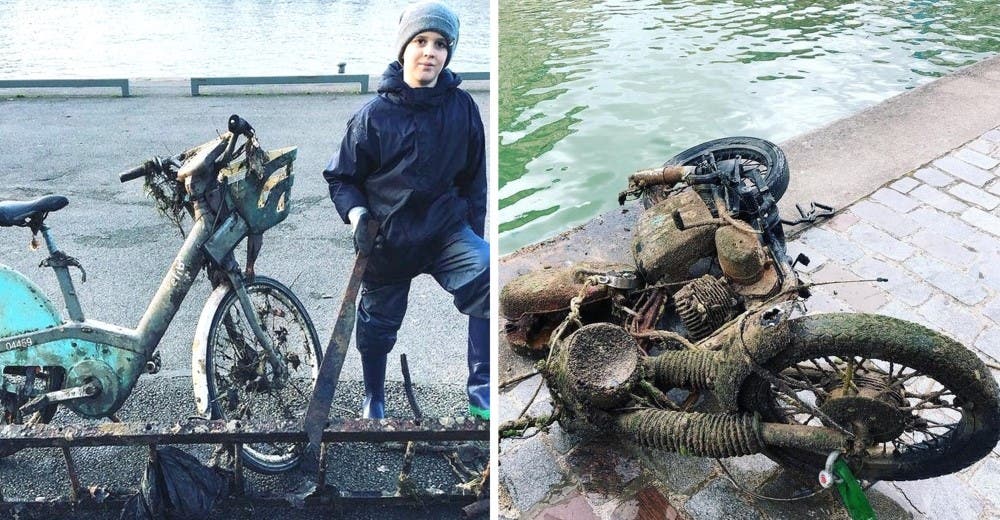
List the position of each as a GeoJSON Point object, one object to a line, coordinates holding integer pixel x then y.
{"type": "Point", "coordinates": [256, 353]}
{"type": "Point", "coordinates": [713, 304]}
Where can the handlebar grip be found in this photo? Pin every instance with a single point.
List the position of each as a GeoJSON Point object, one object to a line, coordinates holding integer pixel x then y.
{"type": "Point", "coordinates": [238, 125]}
{"type": "Point", "coordinates": [134, 173]}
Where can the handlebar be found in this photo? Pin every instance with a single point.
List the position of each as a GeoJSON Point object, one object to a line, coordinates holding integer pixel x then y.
{"type": "Point", "coordinates": [135, 173]}
{"type": "Point", "coordinates": [237, 126]}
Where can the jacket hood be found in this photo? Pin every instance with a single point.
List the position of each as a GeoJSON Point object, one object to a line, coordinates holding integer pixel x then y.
{"type": "Point", "coordinates": [393, 88]}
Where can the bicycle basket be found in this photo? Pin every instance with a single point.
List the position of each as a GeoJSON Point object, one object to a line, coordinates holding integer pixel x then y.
{"type": "Point", "coordinates": [261, 193]}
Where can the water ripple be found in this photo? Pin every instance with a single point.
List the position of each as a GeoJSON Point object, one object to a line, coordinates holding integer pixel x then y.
{"type": "Point", "coordinates": [590, 92]}
{"type": "Point", "coordinates": [184, 38]}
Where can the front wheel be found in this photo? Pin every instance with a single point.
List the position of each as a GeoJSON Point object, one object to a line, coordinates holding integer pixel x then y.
{"type": "Point", "coordinates": [241, 383]}
{"type": "Point", "coordinates": [921, 404]}
{"type": "Point", "coordinates": [752, 152]}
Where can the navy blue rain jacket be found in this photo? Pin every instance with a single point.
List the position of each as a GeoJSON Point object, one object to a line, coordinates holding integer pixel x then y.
{"type": "Point", "coordinates": [416, 159]}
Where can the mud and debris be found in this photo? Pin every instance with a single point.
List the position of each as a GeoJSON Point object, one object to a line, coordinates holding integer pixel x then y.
{"type": "Point", "coordinates": [201, 431]}
{"type": "Point", "coordinates": [719, 314]}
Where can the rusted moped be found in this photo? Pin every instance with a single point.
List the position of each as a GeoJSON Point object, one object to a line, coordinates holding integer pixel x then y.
{"type": "Point", "coordinates": [713, 304]}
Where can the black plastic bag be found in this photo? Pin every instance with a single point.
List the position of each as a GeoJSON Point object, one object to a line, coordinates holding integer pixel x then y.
{"type": "Point", "coordinates": [177, 486]}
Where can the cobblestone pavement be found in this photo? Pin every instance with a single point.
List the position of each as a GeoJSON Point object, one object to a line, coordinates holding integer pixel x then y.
{"type": "Point", "coordinates": [935, 234]}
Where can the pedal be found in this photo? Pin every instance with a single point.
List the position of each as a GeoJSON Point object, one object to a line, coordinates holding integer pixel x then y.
{"type": "Point", "coordinates": [68, 394]}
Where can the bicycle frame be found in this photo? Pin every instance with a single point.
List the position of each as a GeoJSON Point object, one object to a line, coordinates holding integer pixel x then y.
{"type": "Point", "coordinates": [102, 361]}
{"type": "Point", "coordinates": [119, 366]}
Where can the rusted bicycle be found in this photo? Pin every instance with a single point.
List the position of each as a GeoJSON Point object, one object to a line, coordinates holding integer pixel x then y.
{"type": "Point", "coordinates": [714, 304]}
{"type": "Point", "coordinates": [256, 352]}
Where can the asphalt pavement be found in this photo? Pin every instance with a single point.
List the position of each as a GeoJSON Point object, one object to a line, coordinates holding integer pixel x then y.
{"type": "Point", "coordinates": [74, 142]}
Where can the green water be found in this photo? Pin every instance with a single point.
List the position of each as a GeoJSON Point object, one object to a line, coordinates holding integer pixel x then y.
{"type": "Point", "coordinates": [592, 91]}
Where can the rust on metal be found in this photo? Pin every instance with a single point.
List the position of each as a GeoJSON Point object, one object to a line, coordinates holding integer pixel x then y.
{"type": "Point", "coordinates": [220, 432]}
{"type": "Point", "coordinates": [665, 253]}
{"type": "Point", "coordinates": [323, 465]}
{"type": "Point", "coordinates": [535, 303]}
{"type": "Point", "coordinates": [667, 176]}
{"type": "Point", "coordinates": [706, 304]}
{"type": "Point", "coordinates": [74, 477]}
{"type": "Point", "coordinates": [329, 502]}
{"type": "Point", "coordinates": [819, 440]}
{"type": "Point", "coordinates": [551, 288]}
{"type": "Point", "coordinates": [740, 254]}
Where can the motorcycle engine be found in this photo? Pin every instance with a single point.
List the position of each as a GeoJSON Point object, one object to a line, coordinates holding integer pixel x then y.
{"type": "Point", "coordinates": [706, 304]}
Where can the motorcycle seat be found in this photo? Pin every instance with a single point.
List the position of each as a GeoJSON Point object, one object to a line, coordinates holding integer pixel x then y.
{"type": "Point", "coordinates": [23, 212]}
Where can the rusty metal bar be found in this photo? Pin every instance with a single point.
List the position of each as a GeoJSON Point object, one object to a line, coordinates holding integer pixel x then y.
{"type": "Point", "coordinates": [404, 485]}
{"type": "Point", "coordinates": [74, 477]}
{"type": "Point", "coordinates": [408, 389]}
{"type": "Point", "coordinates": [193, 431]}
{"type": "Point", "coordinates": [329, 501]}
{"type": "Point", "coordinates": [812, 438]}
{"type": "Point", "coordinates": [321, 472]}
{"type": "Point", "coordinates": [238, 478]}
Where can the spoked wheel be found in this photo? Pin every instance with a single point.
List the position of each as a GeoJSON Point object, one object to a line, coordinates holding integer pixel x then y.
{"type": "Point", "coordinates": [752, 152]}
{"type": "Point", "coordinates": [242, 384]}
{"type": "Point", "coordinates": [38, 380]}
{"type": "Point", "coordinates": [921, 404]}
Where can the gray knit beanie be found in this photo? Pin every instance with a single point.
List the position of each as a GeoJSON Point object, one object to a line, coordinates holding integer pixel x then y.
{"type": "Point", "coordinates": [427, 16]}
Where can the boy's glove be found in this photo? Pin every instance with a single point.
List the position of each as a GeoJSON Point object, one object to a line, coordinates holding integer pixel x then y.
{"type": "Point", "coordinates": [363, 242]}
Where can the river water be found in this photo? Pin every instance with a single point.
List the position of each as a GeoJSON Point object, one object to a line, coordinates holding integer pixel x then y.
{"type": "Point", "coordinates": [592, 91]}
{"type": "Point", "coordinates": [55, 39]}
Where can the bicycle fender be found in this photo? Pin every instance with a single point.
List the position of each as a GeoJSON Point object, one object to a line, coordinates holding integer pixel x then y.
{"type": "Point", "coordinates": [24, 307]}
{"type": "Point", "coordinates": [199, 349]}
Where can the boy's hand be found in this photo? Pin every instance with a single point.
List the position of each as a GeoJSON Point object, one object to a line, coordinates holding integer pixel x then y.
{"type": "Point", "coordinates": [363, 242]}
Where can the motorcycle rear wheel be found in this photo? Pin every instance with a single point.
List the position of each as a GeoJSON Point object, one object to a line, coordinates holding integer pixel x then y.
{"type": "Point", "coordinates": [753, 151]}
{"type": "Point", "coordinates": [928, 405]}
{"type": "Point", "coordinates": [240, 379]}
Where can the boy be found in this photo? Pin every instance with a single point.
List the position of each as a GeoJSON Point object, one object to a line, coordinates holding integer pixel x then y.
{"type": "Point", "coordinates": [414, 160]}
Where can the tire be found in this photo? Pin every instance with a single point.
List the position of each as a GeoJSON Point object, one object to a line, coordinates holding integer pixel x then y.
{"type": "Point", "coordinates": [231, 364]}
{"type": "Point", "coordinates": [751, 149]}
{"type": "Point", "coordinates": [46, 381]}
{"type": "Point", "coordinates": [954, 416]}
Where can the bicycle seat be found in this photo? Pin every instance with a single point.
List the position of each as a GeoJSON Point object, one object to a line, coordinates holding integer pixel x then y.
{"type": "Point", "coordinates": [22, 212]}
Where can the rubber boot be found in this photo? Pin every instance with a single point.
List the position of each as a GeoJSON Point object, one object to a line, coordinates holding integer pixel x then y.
{"type": "Point", "coordinates": [479, 368]}
{"type": "Point", "coordinates": [373, 368]}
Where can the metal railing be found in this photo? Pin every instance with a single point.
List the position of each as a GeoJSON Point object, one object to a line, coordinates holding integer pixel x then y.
{"type": "Point", "coordinates": [63, 83]}
{"type": "Point", "coordinates": [361, 79]}
{"type": "Point", "coordinates": [196, 83]}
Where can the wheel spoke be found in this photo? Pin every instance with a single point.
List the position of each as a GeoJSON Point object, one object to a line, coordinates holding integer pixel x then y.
{"type": "Point", "coordinates": [933, 415]}
{"type": "Point", "coordinates": [236, 354]}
